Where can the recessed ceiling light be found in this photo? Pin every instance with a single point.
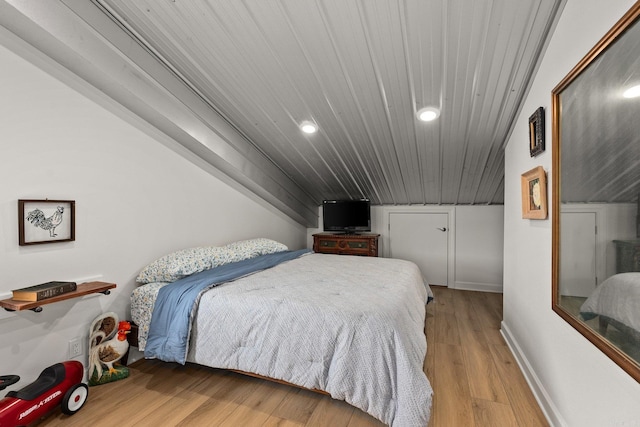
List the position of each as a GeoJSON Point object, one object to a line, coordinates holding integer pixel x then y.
{"type": "Point", "coordinates": [632, 92]}
{"type": "Point", "coordinates": [308, 127]}
{"type": "Point", "coordinates": [428, 114]}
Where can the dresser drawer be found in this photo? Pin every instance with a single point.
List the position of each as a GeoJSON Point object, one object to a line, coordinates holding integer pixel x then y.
{"type": "Point", "coordinates": [346, 244]}
{"type": "Point", "coordinates": [358, 245]}
{"type": "Point", "coordinates": [329, 244]}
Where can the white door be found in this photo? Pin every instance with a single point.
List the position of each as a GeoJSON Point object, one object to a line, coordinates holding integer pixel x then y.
{"type": "Point", "coordinates": [577, 253]}
{"type": "Point", "coordinates": [422, 237]}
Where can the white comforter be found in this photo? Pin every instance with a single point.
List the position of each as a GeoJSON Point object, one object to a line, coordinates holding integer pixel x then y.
{"type": "Point", "coordinates": [618, 298]}
{"type": "Point", "coordinates": [352, 326]}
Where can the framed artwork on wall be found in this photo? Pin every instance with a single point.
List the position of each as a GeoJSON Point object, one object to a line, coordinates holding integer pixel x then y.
{"type": "Point", "coordinates": [46, 221]}
{"type": "Point", "coordinates": [534, 193]}
{"type": "Point", "coordinates": [536, 132]}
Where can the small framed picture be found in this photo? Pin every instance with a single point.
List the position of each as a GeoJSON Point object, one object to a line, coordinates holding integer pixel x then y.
{"type": "Point", "coordinates": [46, 221]}
{"type": "Point", "coordinates": [534, 194]}
{"type": "Point", "coordinates": [536, 132]}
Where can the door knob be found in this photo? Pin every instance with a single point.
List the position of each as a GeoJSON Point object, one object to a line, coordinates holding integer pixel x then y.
{"type": "Point", "coordinates": [442, 229]}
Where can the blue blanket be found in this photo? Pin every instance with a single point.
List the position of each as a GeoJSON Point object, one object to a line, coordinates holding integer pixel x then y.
{"type": "Point", "coordinates": [170, 325]}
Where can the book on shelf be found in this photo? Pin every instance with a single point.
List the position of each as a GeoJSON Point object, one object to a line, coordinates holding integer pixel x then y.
{"type": "Point", "coordinates": [43, 291]}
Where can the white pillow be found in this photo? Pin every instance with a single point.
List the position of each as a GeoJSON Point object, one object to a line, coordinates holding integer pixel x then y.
{"type": "Point", "coordinates": [245, 249]}
{"type": "Point", "coordinates": [185, 262]}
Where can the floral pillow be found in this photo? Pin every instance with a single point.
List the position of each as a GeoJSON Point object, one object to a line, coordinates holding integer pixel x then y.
{"type": "Point", "coordinates": [245, 249]}
{"type": "Point", "coordinates": [185, 262]}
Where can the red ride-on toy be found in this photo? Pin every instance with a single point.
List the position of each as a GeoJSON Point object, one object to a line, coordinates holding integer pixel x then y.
{"type": "Point", "coordinates": [59, 384]}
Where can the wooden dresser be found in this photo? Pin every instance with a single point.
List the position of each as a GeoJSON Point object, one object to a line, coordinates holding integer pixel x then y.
{"type": "Point", "coordinates": [365, 244]}
{"type": "Point", "coordinates": [627, 255]}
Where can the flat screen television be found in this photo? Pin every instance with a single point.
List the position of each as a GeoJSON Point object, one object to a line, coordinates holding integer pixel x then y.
{"type": "Point", "coordinates": [346, 216]}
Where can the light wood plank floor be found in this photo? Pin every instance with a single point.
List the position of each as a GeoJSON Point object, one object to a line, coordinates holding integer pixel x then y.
{"type": "Point", "coordinates": [475, 378]}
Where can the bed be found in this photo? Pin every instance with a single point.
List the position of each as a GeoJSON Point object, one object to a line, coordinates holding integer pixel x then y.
{"type": "Point", "coordinates": [616, 302]}
{"type": "Point", "coordinates": [350, 326]}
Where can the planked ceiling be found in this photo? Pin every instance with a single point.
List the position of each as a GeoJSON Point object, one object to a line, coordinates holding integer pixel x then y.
{"type": "Point", "coordinates": [360, 69]}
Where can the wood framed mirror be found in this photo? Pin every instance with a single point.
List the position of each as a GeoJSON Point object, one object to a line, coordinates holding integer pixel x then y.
{"type": "Point", "coordinates": [595, 195]}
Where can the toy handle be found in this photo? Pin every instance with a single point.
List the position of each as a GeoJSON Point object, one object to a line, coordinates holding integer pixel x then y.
{"type": "Point", "coordinates": [7, 380]}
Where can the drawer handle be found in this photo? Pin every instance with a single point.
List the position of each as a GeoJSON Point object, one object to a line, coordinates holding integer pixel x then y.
{"type": "Point", "coordinates": [357, 245]}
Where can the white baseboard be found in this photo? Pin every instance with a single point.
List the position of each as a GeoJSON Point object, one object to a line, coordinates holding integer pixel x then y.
{"type": "Point", "coordinates": [477, 286]}
{"type": "Point", "coordinates": [134, 355]}
{"type": "Point", "coordinates": [546, 404]}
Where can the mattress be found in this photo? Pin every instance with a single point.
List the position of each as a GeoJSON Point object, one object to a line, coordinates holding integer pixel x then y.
{"type": "Point", "coordinates": [352, 326]}
{"type": "Point", "coordinates": [617, 298]}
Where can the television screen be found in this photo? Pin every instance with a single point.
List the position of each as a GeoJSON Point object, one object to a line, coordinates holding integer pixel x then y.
{"type": "Point", "coordinates": [348, 216]}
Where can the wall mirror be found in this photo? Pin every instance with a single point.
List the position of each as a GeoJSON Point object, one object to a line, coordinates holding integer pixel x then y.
{"type": "Point", "coordinates": [596, 187]}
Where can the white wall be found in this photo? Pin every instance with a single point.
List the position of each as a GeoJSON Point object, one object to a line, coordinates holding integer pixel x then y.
{"type": "Point", "coordinates": [479, 247]}
{"type": "Point", "coordinates": [577, 383]}
{"type": "Point", "coordinates": [136, 199]}
{"type": "Point", "coordinates": [476, 242]}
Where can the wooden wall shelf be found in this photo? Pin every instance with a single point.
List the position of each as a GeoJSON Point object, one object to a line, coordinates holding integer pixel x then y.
{"type": "Point", "coordinates": [83, 289]}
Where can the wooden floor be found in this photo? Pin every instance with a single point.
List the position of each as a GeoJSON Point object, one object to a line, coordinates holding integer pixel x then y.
{"type": "Point", "coordinates": [475, 378]}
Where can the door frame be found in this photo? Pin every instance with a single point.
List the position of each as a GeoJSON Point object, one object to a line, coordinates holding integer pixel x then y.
{"type": "Point", "coordinates": [384, 231]}
{"type": "Point", "coordinates": [603, 237]}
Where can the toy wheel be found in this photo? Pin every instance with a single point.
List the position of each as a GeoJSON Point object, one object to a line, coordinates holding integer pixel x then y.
{"type": "Point", "coordinates": [74, 398]}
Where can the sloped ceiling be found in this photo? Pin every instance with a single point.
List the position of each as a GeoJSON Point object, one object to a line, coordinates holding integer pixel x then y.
{"type": "Point", "coordinates": [360, 69]}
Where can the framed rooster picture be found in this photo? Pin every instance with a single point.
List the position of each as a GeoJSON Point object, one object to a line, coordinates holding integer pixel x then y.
{"type": "Point", "coordinates": [46, 221]}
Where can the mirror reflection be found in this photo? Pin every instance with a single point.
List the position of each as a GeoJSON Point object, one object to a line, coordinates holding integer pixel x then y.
{"type": "Point", "coordinates": [598, 271]}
